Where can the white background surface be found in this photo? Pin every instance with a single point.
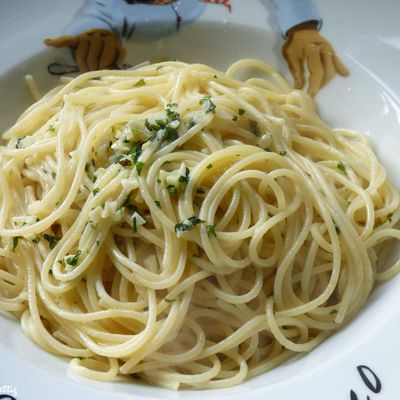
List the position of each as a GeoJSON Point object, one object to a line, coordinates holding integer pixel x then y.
{"type": "Point", "coordinates": [367, 37]}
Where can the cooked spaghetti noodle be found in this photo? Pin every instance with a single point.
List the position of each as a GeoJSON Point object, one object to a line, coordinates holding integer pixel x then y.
{"type": "Point", "coordinates": [175, 224]}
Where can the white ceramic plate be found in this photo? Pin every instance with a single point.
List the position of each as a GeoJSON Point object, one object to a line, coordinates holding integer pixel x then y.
{"type": "Point", "coordinates": [362, 357]}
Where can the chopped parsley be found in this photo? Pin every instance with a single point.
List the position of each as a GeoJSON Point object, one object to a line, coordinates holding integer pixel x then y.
{"type": "Point", "coordinates": [127, 204]}
{"type": "Point", "coordinates": [97, 242]}
{"type": "Point", "coordinates": [241, 111]}
{"type": "Point", "coordinates": [191, 123]}
{"type": "Point", "coordinates": [333, 312]}
{"type": "Point", "coordinates": [337, 229]}
{"type": "Point", "coordinates": [185, 178]}
{"type": "Point", "coordinates": [165, 130]}
{"type": "Point", "coordinates": [158, 204]}
{"type": "Point", "coordinates": [188, 224]}
{"type": "Point", "coordinates": [389, 217]}
{"type": "Point", "coordinates": [171, 111]}
{"type": "Point", "coordinates": [254, 128]}
{"type": "Point", "coordinates": [172, 190]}
{"type": "Point", "coordinates": [208, 105]}
{"type": "Point", "coordinates": [169, 301]}
{"type": "Point", "coordinates": [73, 259]}
{"type": "Point", "coordinates": [54, 175]}
{"type": "Point", "coordinates": [140, 82]}
{"type": "Point", "coordinates": [340, 165]}
{"type": "Point", "coordinates": [15, 242]}
{"type": "Point", "coordinates": [135, 151]}
{"type": "Point", "coordinates": [282, 153]}
{"type": "Point", "coordinates": [52, 240]}
{"type": "Point", "coordinates": [36, 240]}
{"type": "Point", "coordinates": [95, 191]}
{"type": "Point", "coordinates": [92, 224]}
{"type": "Point", "coordinates": [19, 143]}
{"type": "Point", "coordinates": [235, 118]}
{"type": "Point", "coordinates": [209, 166]}
{"type": "Point", "coordinates": [51, 128]}
{"type": "Point", "coordinates": [211, 230]}
{"type": "Point", "coordinates": [139, 167]}
{"type": "Point", "coordinates": [134, 225]}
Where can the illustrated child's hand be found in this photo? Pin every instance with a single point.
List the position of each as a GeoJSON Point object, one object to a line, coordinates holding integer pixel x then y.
{"type": "Point", "coordinates": [94, 49]}
{"type": "Point", "coordinates": [306, 45]}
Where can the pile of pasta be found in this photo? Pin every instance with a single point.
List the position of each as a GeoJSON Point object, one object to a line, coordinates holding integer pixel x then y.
{"type": "Point", "coordinates": [181, 227]}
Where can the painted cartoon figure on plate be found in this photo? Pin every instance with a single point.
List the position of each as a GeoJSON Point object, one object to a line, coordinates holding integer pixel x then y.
{"type": "Point", "coordinates": [95, 35]}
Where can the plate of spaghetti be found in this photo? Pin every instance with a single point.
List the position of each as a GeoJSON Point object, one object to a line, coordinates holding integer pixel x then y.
{"type": "Point", "coordinates": [199, 198]}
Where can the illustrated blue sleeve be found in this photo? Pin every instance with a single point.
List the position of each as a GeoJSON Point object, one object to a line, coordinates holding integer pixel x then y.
{"type": "Point", "coordinates": [294, 12]}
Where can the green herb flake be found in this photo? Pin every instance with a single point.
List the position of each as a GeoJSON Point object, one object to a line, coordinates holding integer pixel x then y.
{"type": "Point", "coordinates": [92, 224]}
{"type": "Point", "coordinates": [282, 153]}
{"type": "Point", "coordinates": [235, 118]}
{"type": "Point", "coordinates": [36, 240]}
{"type": "Point", "coordinates": [50, 271]}
{"type": "Point", "coordinates": [52, 240]}
{"type": "Point", "coordinates": [191, 123]}
{"type": "Point", "coordinates": [172, 190]}
{"type": "Point", "coordinates": [135, 151]}
{"type": "Point", "coordinates": [19, 143]}
{"type": "Point", "coordinates": [337, 229]}
{"type": "Point", "coordinates": [73, 259]}
{"type": "Point", "coordinates": [51, 128]}
{"type": "Point", "coordinates": [134, 225]}
{"type": "Point", "coordinates": [54, 175]}
{"type": "Point", "coordinates": [185, 178]}
{"type": "Point", "coordinates": [127, 204]}
{"type": "Point", "coordinates": [188, 224]}
{"type": "Point", "coordinates": [340, 165]}
{"type": "Point", "coordinates": [333, 312]}
{"type": "Point", "coordinates": [139, 167]}
{"type": "Point", "coordinates": [208, 105]}
{"type": "Point", "coordinates": [211, 230]}
{"type": "Point", "coordinates": [95, 191]}
{"type": "Point", "coordinates": [241, 111]}
{"type": "Point", "coordinates": [389, 217]}
{"type": "Point", "coordinates": [255, 129]}
{"type": "Point", "coordinates": [169, 301]}
{"type": "Point", "coordinates": [15, 242]}
{"type": "Point", "coordinates": [97, 242]}
{"type": "Point", "coordinates": [140, 82]}
{"type": "Point", "coordinates": [134, 375]}
{"type": "Point", "coordinates": [158, 204]}
{"type": "Point", "coordinates": [209, 166]}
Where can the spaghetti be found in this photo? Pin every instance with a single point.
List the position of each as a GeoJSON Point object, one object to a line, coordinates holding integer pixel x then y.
{"type": "Point", "coordinates": [175, 224]}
